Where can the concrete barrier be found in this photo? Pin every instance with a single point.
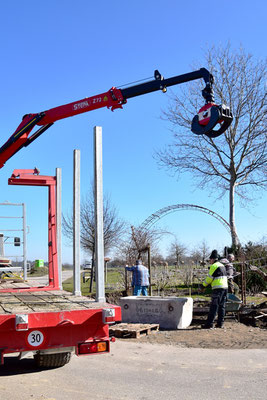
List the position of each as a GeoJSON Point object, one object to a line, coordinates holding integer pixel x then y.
{"type": "Point", "coordinates": [168, 312]}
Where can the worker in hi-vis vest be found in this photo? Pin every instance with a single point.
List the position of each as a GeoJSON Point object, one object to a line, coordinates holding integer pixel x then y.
{"type": "Point", "coordinates": [217, 278]}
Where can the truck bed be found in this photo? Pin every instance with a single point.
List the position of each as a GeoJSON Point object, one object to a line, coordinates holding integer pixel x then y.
{"type": "Point", "coordinates": [34, 318]}
{"type": "Point", "coordinates": [42, 301]}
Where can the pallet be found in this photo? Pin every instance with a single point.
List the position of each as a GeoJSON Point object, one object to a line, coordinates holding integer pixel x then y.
{"type": "Point", "coordinates": [135, 331]}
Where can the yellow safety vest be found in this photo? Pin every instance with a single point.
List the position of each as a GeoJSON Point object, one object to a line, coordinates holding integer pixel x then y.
{"type": "Point", "coordinates": [216, 277]}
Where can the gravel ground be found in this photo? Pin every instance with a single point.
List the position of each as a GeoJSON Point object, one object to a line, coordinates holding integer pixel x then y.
{"type": "Point", "coordinates": [235, 335]}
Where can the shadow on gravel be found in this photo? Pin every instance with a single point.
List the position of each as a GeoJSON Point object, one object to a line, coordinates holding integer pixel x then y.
{"type": "Point", "coordinates": [13, 366]}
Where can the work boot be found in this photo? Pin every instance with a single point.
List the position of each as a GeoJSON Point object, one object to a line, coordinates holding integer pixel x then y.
{"type": "Point", "coordinates": [206, 326]}
{"type": "Point", "coordinates": [221, 325]}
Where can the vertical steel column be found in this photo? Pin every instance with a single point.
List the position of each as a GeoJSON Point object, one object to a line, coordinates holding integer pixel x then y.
{"type": "Point", "coordinates": [76, 224]}
{"type": "Point", "coordinates": [2, 252]}
{"type": "Point", "coordinates": [99, 229]}
{"type": "Point", "coordinates": [24, 242]}
{"type": "Point", "coordinates": [59, 224]}
{"type": "Point", "coordinates": [243, 283]}
{"type": "Point", "coordinates": [52, 236]}
{"type": "Point", "coordinates": [149, 269]}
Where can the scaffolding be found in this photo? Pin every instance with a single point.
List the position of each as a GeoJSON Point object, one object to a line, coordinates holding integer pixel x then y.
{"type": "Point", "coordinates": [10, 233]}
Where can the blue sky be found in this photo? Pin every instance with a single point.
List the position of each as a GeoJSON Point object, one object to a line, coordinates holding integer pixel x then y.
{"type": "Point", "coordinates": [56, 52]}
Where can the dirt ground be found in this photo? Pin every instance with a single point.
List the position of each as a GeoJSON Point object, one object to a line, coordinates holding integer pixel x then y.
{"type": "Point", "coordinates": [235, 335]}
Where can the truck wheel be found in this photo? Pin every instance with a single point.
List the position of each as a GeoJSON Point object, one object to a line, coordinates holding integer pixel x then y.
{"type": "Point", "coordinates": [52, 360]}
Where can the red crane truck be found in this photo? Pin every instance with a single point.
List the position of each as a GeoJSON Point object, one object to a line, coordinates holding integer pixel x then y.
{"type": "Point", "coordinates": [45, 320]}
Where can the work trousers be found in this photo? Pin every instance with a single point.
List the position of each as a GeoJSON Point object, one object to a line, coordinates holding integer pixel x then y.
{"type": "Point", "coordinates": [138, 289]}
{"type": "Point", "coordinates": [218, 300]}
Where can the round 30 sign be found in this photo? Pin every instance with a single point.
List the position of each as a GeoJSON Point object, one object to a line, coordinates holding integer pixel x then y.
{"type": "Point", "coordinates": [35, 338]}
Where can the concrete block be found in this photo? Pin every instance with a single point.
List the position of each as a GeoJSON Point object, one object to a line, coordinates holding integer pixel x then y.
{"type": "Point", "coordinates": [168, 312]}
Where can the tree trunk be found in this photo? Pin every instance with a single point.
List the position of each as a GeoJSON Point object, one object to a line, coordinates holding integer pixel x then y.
{"type": "Point", "coordinates": [235, 240]}
{"type": "Point", "coordinates": [177, 260]}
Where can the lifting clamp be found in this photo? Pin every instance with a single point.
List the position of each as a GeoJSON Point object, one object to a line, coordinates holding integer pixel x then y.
{"type": "Point", "coordinates": [210, 115]}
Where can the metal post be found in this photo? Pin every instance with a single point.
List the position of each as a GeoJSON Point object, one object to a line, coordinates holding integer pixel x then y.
{"type": "Point", "coordinates": [106, 271]}
{"type": "Point", "coordinates": [2, 253]}
{"type": "Point", "coordinates": [92, 274]}
{"type": "Point", "coordinates": [149, 269]}
{"type": "Point", "coordinates": [76, 224]}
{"type": "Point", "coordinates": [24, 242]}
{"type": "Point", "coordinates": [59, 223]}
{"type": "Point", "coordinates": [99, 235]}
{"type": "Point", "coordinates": [243, 283]}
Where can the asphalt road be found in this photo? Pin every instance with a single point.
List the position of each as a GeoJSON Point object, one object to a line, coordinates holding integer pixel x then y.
{"type": "Point", "coordinates": [141, 371]}
{"type": "Point", "coordinates": [43, 280]}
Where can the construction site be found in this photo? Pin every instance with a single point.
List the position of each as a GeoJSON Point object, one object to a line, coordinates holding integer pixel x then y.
{"type": "Point", "coordinates": [133, 252]}
{"type": "Point", "coordinates": [44, 320]}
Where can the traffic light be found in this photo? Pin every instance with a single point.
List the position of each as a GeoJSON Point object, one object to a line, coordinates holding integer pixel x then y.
{"type": "Point", "coordinates": [16, 241]}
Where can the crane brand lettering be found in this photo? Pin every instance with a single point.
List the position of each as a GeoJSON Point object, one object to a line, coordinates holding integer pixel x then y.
{"type": "Point", "coordinates": [83, 104]}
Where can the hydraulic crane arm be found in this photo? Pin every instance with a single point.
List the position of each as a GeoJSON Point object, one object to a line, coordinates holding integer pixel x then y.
{"type": "Point", "coordinates": [114, 98]}
{"type": "Point", "coordinates": [161, 84]}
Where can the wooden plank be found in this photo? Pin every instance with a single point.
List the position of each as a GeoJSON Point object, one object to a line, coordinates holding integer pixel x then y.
{"type": "Point", "coordinates": [5, 298]}
{"type": "Point", "coordinates": [19, 285]}
{"type": "Point", "coordinates": [261, 315]}
{"type": "Point", "coordinates": [7, 285]}
{"type": "Point", "coordinates": [2, 311]}
{"type": "Point", "coordinates": [16, 308]}
{"type": "Point", "coordinates": [29, 298]}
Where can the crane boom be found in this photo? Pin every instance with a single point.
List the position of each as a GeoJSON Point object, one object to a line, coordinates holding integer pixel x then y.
{"type": "Point", "coordinates": [112, 99]}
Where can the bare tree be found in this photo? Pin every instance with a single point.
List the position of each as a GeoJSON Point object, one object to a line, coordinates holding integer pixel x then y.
{"type": "Point", "coordinates": [137, 243]}
{"type": "Point", "coordinates": [177, 251]}
{"type": "Point", "coordinates": [204, 249]}
{"type": "Point", "coordinates": [196, 256]}
{"type": "Point", "coordinates": [235, 162]}
{"type": "Point", "coordinates": [114, 227]}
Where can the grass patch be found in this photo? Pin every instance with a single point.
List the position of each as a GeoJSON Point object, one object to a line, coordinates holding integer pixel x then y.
{"type": "Point", "coordinates": [114, 278]}
{"type": "Point", "coordinates": [68, 286]}
{"type": "Point", "coordinates": [38, 271]}
{"type": "Point", "coordinates": [258, 299]}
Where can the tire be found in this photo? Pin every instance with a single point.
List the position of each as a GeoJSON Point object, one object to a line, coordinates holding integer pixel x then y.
{"type": "Point", "coordinates": [52, 360]}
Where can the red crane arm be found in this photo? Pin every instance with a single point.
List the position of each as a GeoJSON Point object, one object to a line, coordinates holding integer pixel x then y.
{"type": "Point", "coordinates": [20, 138]}
{"type": "Point", "coordinates": [113, 99]}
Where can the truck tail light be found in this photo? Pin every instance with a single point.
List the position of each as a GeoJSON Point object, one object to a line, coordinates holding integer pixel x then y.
{"type": "Point", "coordinates": [21, 322]}
{"type": "Point", "coordinates": [93, 347]}
{"type": "Point", "coordinates": [108, 315]}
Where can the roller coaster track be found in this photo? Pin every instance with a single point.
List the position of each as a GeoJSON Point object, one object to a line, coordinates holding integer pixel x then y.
{"type": "Point", "coordinates": [153, 218]}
